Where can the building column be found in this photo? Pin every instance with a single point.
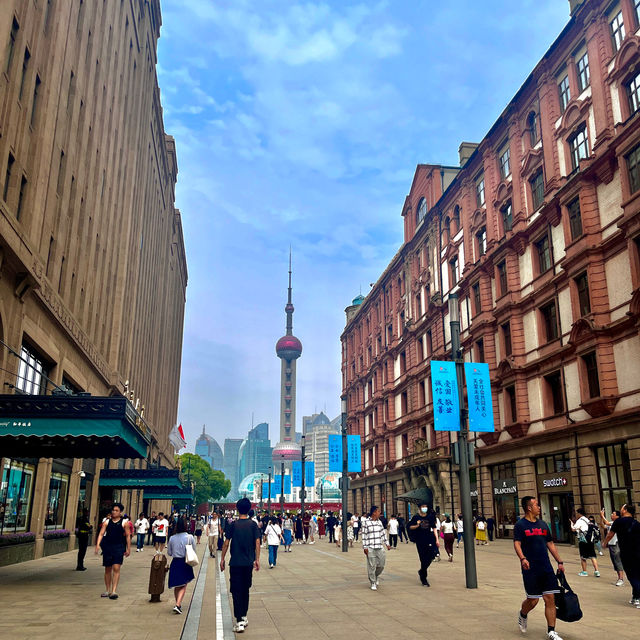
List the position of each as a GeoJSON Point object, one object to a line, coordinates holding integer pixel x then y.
{"type": "Point", "coordinates": [633, 450]}
{"type": "Point", "coordinates": [486, 487]}
{"type": "Point", "coordinates": [39, 504]}
{"type": "Point", "coordinates": [526, 477]}
{"type": "Point", "coordinates": [589, 484]}
{"type": "Point", "coordinates": [72, 502]}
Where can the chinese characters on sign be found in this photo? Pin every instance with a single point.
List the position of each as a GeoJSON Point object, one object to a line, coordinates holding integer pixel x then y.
{"type": "Point", "coordinates": [444, 389]}
{"type": "Point", "coordinates": [335, 453]}
{"type": "Point", "coordinates": [296, 473]}
{"type": "Point", "coordinates": [354, 457]}
{"type": "Point", "coordinates": [309, 473]}
{"type": "Point", "coordinates": [479, 396]}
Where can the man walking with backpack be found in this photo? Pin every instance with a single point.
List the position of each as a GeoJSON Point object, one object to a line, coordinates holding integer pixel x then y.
{"type": "Point", "coordinates": [244, 537]}
{"type": "Point", "coordinates": [586, 537]}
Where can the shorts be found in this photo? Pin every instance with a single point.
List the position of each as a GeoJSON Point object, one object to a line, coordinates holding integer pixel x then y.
{"type": "Point", "coordinates": [112, 555]}
{"type": "Point", "coordinates": [540, 582]}
{"type": "Point", "coordinates": [587, 550]}
{"type": "Point", "coordinates": [161, 539]}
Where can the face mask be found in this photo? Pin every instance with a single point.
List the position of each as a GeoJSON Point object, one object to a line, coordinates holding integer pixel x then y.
{"type": "Point", "coordinates": [424, 510]}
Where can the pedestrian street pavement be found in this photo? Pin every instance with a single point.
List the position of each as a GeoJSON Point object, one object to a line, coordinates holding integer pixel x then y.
{"type": "Point", "coordinates": [317, 591]}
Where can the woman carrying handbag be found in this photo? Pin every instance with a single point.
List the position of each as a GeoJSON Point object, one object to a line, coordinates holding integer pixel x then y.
{"type": "Point", "coordinates": [182, 549]}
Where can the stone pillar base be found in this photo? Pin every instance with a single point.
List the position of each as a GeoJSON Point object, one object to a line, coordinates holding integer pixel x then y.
{"type": "Point", "coordinates": [39, 549]}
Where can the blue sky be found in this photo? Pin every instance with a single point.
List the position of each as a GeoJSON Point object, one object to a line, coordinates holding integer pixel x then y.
{"type": "Point", "coordinates": [301, 123]}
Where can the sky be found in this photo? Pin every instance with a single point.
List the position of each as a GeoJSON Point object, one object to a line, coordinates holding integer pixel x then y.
{"type": "Point", "coordinates": [300, 124]}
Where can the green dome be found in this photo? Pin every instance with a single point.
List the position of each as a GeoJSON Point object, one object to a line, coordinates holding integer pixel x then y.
{"type": "Point", "coordinates": [358, 300]}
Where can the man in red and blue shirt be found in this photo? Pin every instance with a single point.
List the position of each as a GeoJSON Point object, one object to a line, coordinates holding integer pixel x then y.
{"type": "Point", "coordinates": [533, 543]}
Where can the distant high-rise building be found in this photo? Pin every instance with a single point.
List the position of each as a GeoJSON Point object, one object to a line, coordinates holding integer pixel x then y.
{"type": "Point", "coordinates": [308, 422]}
{"type": "Point", "coordinates": [254, 454]}
{"type": "Point", "coordinates": [259, 432]}
{"type": "Point", "coordinates": [208, 449]}
{"type": "Point", "coordinates": [319, 427]}
{"type": "Point", "coordinates": [230, 464]}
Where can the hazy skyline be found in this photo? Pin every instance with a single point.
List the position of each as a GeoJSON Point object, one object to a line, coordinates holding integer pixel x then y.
{"type": "Point", "coordinates": [301, 124]}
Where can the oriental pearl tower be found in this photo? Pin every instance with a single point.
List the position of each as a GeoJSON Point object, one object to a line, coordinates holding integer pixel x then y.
{"type": "Point", "coordinates": [288, 349]}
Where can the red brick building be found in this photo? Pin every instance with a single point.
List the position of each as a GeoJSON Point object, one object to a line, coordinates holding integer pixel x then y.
{"type": "Point", "coordinates": [538, 232]}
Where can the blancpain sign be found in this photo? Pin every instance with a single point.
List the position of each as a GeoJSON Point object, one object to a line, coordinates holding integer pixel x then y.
{"type": "Point", "coordinates": [504, 487]}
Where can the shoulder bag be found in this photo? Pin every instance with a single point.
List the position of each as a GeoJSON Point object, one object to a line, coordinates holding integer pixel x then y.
{"type": "Point", "coordinates": [567, 603]}
{"type": "Point", "coordinates": [190, 556]}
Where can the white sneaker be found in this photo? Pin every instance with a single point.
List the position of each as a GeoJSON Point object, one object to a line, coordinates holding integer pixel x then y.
{"type": "Point", "coordinates": [553, 635]}
{"type": "Point", "coordinates": [634, 601]}
{"type": "Point", "coordinates": [377, 581]}
{"type": "Point", "coordinates": [374, 587]}
{"type": "Point", "coordinates": [522, 623]}
{"type": "Point", "coordinates": [244, 621]}
{"type": "Point", "coordinates": [619, 582]}
{"type": "Point", "coordinates": [238, 627]}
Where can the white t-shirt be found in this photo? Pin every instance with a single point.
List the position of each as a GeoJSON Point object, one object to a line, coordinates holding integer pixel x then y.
{"type": "Point", "coordinates": [393, 527]}
{"type": "Point", "coordinates": [141, 525]}
{"type": "Point", "coordinates": [212, 527]}
{"type": "Point", "coordinates": [437, 524]}
{"type": "Point", "coordinates": [161, 527]}
{"type": "Point", "coordinates": [273, 532]}
{"type": "Point", "coordinates": [460, 525]}
{"type": "Point", "coordinates": [581, 525]}
{"type": "Point", "coordinates": [447, 527]}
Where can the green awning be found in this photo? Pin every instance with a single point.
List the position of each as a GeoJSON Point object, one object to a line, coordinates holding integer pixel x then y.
{"type": "Point", "coordinates": [174, 496]}
{"type": "Point", "coordinates": [163, 479]}
{"type": "Point", "coordinates": [70, 427]}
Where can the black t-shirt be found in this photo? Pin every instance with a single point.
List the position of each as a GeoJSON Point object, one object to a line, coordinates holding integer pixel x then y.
{"type": "Point", "coordinates": [533, 536]}
{"type": "Point", "coordinates": [628, 531]}
{"type": "Point", "coordinates": [243, 534]}
{"type": "Point", "coordinates": [423, 535]}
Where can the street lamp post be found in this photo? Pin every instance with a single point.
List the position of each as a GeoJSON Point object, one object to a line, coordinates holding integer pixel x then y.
{"type": "Point", "coordinates": [269, 494]}
{"type": "Point", "coordinates": [463, 448]}
{"type": "Point", "coordinates": [321, 496]}
{"type": "Point", "coordinates": [282, 489]}
{"type": "Point", "coordinates": [302, 488]}
{"type": "Point", "coordinates": [345, 492]}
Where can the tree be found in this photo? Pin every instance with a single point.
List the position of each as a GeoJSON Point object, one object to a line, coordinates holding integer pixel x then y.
{"type": "Point", "coordinates": [208, 483]}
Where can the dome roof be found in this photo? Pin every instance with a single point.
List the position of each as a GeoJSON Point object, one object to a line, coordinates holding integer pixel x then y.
{"type": "Point", "coordinates": [358, 300]}
{"type": "Point", "coordinates": [287, 451]}
{"type": "Point", "coordinates": [330, 485]}
{"type": "Point", "coordinates": [247, 483]}
{"type": "Point", "coordinates": [289, 347]}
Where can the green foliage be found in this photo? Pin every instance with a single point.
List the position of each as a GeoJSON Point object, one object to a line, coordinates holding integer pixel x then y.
{"type": "Point", "coordinates": [208, 484]}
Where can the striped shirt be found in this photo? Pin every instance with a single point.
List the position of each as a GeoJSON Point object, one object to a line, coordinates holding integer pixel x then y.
{"type": "Point", "coordinates": [374, 535]}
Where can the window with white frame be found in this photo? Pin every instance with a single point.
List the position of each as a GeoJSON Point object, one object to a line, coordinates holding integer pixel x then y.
{"type": "Point", "coordinates": [32, 373]}
{"type": "Point", "coordinates": [582, 67]}
{"type": "Point", "coordinates": [505, 162]}
{"type": "Point", "coordinates": [564, 92]}
{"type": "Point", "coordinates": [616, 26]}
{"type": "Point", "coordinates": [579, 146]}
{"type": "Point", "coordinates": [480, 191]}
{"type": "Point", "coordinates": [633, 93]}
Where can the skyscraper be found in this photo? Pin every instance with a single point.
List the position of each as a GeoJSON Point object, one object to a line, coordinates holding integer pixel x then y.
{"type": "Point", "coordinates": [208, 449]}
{"type": "Point", "coordinates": [288, 349]}
{"type": "Point", "coordinates": [230, 464]}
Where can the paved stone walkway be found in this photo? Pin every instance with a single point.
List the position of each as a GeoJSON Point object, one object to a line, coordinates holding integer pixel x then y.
{"type": "Point", "coordinates": [316, 591]}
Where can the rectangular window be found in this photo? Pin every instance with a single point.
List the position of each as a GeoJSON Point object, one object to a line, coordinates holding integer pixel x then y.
{"type": "Point", "coordinates": [61, 172]}
{"type": "Point", "coordinates": [633, 94]}
{"type": "Point", "coordinates": [480, 192]}
{"type": "Point", "coordinates": [56, 501]}
{"type": "Point", "coordinates": [507, 217]}
{"type": "Point", "coordinates": [429, 343]}
{"type": "Point", "coordinates": [579, 145]}
{"type": "Point", "coordinates": [455, 274]}
{"type": "Point", "coordinates": [575, 218]}
{"type": "Point", "coordinates": [584, 77]}
{"type": "Point", "coordinates": [34, 102]}
{"type": "Point", "coordinates": [7, 177]}
{"type": "Point", "coordinates": [550, 318]}
{"type": "Point", "coordinates": [16, 495]}
{"type": "Point", "coordinates": [582, 287]}
{"type": "Point", "coordinates": [480, 350]}
{"type": "Point", "coordinates": [510, 393]}
{"type": "Point", "coordinates": [506, 334]}
{"type": "Point", "coordinates": [481, 238]}
{"type": "Point", "coordinates": [555, 392]}
{"type": "Point", "coordinates": [21, 197]}
{"type": "Point", "coordinates": [502, 277]}
{"type": "Point", "coordinates": [615, 475]}
{"type": "Point", "coordinates": [11, 45]}
{"type": "Point", "coordinates": [419, 349]}
{"type": "Point", "coordinates": [633, 168]}
{"type": "Point", "coordinates": [537, 190]}
{"type": "Point", "coordinates": [617, 31]}
{"type": "Point", "coordinates": [564, 91]}
{"type": "Point", "coordinates": [403, 362]}
{"type": "Point", "coordinates": [32, 373]}
{"type": "Point", "coordinates": [505, 163]}
{"type": "Point", "coordinates": [543, 250]}
{"type": "Point", "coordinates": [477, 300]}
{"type": "Point", "coordinates": [591, 369]}
{"type": "Point", "coordinates": [25, 69]}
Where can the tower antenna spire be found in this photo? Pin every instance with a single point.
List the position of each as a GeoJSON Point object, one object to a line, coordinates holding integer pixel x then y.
{"type": "Point", "coordinates": [289, 308]}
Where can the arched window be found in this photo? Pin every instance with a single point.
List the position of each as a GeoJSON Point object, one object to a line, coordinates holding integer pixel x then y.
{"type": "Point", "coordinates": [446, 231]}
{"type": "Point", "coordinates": [456, 218]}
{"type": "Point", "coordinates": [422, 210]}
{"type": "Point", "coordinates": [533, 125]}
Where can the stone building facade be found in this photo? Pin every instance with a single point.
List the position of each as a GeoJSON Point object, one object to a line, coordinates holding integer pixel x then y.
{"type": "Point", "coordinates": [92, 261]}
{"type": "Point", "coordinates": [538, 233]}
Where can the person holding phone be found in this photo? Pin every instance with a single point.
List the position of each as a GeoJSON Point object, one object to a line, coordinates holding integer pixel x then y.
{"type": "Point", "coordinates": [424, 533]}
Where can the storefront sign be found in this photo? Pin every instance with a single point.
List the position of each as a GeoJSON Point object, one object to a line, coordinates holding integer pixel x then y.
{"type": "Point", "coordinates": [554, 482]}
{"type": "Point", "coordinates": [479, 396]}
{"type": "Point", "coordinates": [444, 389]}
{"type": "Point", "coordinates": [505, 487]}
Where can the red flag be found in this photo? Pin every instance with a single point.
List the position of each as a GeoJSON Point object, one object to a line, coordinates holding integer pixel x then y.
{"type": "Point", "coordinates": [182, 433]}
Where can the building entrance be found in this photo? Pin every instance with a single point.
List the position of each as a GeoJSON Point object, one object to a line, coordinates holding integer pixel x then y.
{"type": "Point", "coordinates": [557, 509]}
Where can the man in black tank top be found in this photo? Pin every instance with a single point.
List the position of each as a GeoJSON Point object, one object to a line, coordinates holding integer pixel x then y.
{"type": "Point", "coordinates": [115, 540]}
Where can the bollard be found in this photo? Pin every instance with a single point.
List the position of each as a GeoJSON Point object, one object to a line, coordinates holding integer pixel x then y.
{"type": "Point", "coordinates": [156, 577]}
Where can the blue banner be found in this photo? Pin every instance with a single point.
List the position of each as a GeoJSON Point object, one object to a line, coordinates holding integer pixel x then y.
{"type": "Point", "coordinates": [354, 456]}
{"type": "Point", "coordinates": [296, 471]}
{"type": "Point", "coordinates": [444, 388]}
{"type": "Point", "coordinates": [479, 396]}
{"type": "Point", "coordinates": [309, 474]}
{"type": "Point", "coordinates": [287, 485]}
{"type": "Point", "coordinates": [265, 490]}
{"type": "Point", "coordinates": [335, 453]}
{"type": "Point", "coordinates": [277, 484]}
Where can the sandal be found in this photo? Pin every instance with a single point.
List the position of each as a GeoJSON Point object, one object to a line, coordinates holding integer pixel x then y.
{"type": "Point", "coordinates": [113, 596]}
{"type": "Point", "coordinates": [104, 595]}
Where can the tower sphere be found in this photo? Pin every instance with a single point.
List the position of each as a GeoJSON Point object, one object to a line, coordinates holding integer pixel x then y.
{"type": "Point", "coordinates": [289, 348]}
